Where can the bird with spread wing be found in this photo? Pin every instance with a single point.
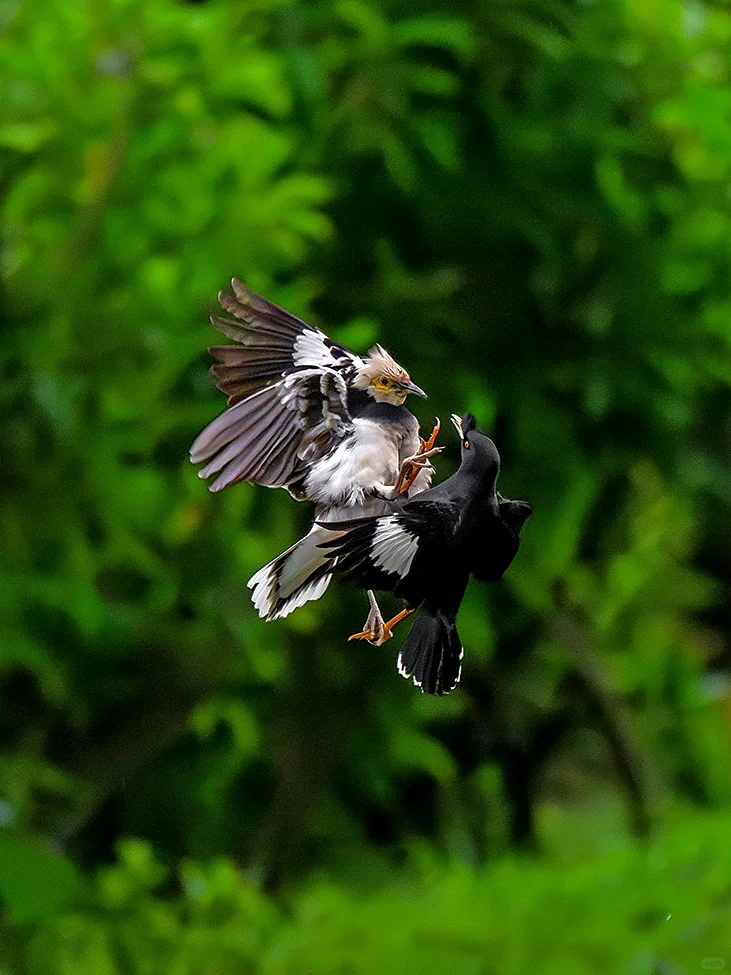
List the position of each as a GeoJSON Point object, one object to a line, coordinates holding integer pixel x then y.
{"type": "Point", "coordinates": [425, 549]}
{"type": "Point", "coordinates": [306, 414]}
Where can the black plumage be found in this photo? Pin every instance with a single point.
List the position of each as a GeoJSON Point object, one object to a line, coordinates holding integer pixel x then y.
{"type": "Point", "coordinates": [426, 550]}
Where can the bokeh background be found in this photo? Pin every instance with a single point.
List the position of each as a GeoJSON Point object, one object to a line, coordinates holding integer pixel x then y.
{"type": "Point", "coordinates": [529, 203]}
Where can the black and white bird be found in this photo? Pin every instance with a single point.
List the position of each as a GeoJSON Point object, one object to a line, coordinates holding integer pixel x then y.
{"type": "Point", "coordinates": [425, 551]}
{"type": "Point", "coordinates": [306, 414]}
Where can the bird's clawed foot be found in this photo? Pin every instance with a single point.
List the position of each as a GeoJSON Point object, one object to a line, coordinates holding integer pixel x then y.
{"type": "Point", "coordinates": [429, 444]}
{"type": "Point", "coordinates": [374, 628]}
{"type": "Point", "coordinates": [376, 631]}
{"type": "Point", "coordinates": [412, 465]}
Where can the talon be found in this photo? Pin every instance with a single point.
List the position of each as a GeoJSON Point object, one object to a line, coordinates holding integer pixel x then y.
{"type": "Point", "coordinates": [386, 634]}
{"type": "Point", "coordinates": [374, 629]}
{"type": "Point", "coordinates": [411, 466]}
{"type": "Point", "coordinates": [364, 635]}
{"type": "Point", "coordinates": [428, 444]}
{"type": "Point", "coordinates": [430, 452]}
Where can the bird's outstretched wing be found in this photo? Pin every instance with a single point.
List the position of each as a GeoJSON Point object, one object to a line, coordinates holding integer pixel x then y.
{"type": "Point", "coordinates": [287, 384]}
{"type": "Point", "coordinates": [270, 342]}
{"type": "Point", "coordinates": [379, 553]}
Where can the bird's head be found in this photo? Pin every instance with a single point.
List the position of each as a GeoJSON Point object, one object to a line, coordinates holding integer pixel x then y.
{"type": "Point", "coordinates": [384, 379]}
{"type": "Point", "coordinates": [480, 456]}
{"type": "Point", "coordinates": [476, 447]}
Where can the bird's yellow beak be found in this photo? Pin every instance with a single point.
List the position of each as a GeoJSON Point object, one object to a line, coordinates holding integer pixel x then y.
{"type": "Point", "coordinates": [457, 424]}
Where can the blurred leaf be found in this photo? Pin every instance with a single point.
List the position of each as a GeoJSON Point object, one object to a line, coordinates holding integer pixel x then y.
{"type": "Point", "coordinates": [235, 715]}
{"type": "Point", "coordinates": [26, 136]}
{"type": "Point", "coordinates": [411, 749]}
{"type": "Point", "coordinates": [439, 32]}
{"type": "Point", "coordinates": [34, 882]}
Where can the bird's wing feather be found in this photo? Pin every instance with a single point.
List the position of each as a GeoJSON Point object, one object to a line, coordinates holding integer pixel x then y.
{"type": "Point", "coordinates": [270, 436]}
{"type": "Point", "coordinates": [378, 553]}
{"type": "Point", "coordinates": [270, 342]}
{"type": "Point", "coordinates": [287, 384]}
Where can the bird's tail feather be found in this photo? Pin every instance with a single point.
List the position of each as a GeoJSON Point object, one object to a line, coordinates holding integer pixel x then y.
{"type": "Point", "coordinates": [432, 653]}
{"type": "Point", "coordinates": [295, 577]}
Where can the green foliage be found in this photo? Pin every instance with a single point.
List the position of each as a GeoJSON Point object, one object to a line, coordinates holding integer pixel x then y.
{"type": "Point", "coordinates": [636, 910]}
{"type": "Point", "coordinates": [527, 202]}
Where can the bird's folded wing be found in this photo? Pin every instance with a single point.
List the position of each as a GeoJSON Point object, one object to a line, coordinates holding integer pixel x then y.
{"type": "Point", "coordinates": [270, 342]}
{"type": "Point", "coordinates": [378, 553]}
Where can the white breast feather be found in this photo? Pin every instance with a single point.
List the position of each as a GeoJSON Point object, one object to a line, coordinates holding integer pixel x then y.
{"type": "Point", "coordinates": [349, 473]}
{"type": "Point", "coordinates": [410, 443]}
{"type": "Point", "coordinates": [393, 547]}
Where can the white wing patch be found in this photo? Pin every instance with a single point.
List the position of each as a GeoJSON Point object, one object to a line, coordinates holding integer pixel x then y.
{"type": "Point", "coordinates": [285, 583]}
{"type": "Point", "coordinates": [311, 591]}
{"type": "Point", "coordinates": [393, 547]}
{"type": "Point", "coordinates": [310, 350]}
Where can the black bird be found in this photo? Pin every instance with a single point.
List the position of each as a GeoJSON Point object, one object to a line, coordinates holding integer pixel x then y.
{"type": "Point", "coordinates": [306, 414]}
{"type": "Point", "coordinates": [425, 552]}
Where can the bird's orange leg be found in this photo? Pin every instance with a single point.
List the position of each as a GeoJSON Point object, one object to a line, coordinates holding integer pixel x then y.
{"type": "Point", "coordinates": [384, 634]}
{"type": "Point", "coordinates": [373, 629]}
{"type": "Point", "coordinates": [411, 467]}
{"type": "Point", "coordinates": [428, 444]}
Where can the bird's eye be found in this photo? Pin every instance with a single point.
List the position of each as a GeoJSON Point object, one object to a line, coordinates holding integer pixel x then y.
{"type": "Point", "coordinates": [384, 382]}
{"type": "Point", "coordinates": [466, 445]}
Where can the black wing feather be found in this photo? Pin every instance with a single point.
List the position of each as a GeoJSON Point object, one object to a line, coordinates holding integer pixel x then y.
{"type": "Point", "coordinates": [362, 552]}
{"type": "Point", "coordinates": [266, 337]}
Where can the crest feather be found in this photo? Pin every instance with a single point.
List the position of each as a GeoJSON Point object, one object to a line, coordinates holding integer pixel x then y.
{"type": "Point", "coordinates": [379, 362]}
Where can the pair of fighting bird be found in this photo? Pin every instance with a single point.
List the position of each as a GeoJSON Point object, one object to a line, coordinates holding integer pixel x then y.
{"type": "Point", "coordinates": [306, 414]}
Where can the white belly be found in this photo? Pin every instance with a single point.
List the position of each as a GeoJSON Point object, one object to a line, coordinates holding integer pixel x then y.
{"type": "Point", "coordinates": [358, 468]}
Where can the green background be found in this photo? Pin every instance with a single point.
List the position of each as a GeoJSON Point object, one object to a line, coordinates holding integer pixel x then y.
{"type": "Point", "coordinates": [529, 203]}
